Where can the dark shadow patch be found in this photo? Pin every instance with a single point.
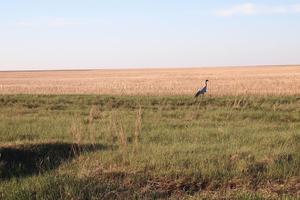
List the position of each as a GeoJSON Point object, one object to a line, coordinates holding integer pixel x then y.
{"type": "Point", "coordinates": [58, 107]}
{"type": "Point", "coordinates": [25, 160]}
{"type": "Point", "coordinates": [283, 159]}
{"type": "Point", "coordinates": [31, 105]}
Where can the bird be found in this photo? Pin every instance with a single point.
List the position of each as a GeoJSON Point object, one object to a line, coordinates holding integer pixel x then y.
{"type": "Point", "coordinates": [203, 90]}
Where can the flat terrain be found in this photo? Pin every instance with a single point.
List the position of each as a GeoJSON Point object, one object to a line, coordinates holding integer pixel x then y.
{"type": "Point", "coordinates": [126, 147]}
{"type": "Point", "coordinates": [140, 134]}
{"type": "Point", "coordinates": [276, 80]}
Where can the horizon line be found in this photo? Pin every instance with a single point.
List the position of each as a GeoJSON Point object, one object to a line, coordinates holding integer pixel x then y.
{"type": "Point", "coordinates": [149, 68]}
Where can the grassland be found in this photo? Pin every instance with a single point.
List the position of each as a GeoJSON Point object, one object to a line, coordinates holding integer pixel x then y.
{"type": "Point", "coordinates": [276, 80]}
{"type": "Point", "coordinates": [147, 147]}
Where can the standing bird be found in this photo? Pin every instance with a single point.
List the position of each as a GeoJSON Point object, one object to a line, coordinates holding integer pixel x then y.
{"type": "Point", "coordinates": [203, 90]}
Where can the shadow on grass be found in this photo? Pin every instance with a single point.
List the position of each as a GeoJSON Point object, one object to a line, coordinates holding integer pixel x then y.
{"type": "Point", "coordinates": [25, 160]}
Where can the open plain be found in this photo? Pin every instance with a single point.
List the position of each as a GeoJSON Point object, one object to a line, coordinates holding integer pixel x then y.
{"type": "Point", "coordinates": [268, 80]}
{"type": "Point", "coordinates": [140, 134]}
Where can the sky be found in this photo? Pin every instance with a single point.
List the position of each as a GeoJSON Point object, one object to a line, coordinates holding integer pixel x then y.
{"type": "Point", "coordinates": [81, 34]}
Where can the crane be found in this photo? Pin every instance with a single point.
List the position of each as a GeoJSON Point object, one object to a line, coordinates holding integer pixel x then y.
{"type": "Point", "coordinates": [203, 90]}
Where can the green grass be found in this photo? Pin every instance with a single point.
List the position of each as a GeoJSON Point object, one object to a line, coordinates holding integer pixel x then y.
{"type": "Point", "coordinates": [90, 147]}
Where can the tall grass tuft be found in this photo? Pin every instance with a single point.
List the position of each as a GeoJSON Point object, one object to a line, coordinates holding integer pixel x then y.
{"type": "Point", "coordinates": [122, 136]}
{"type": "Point", "coordinates": [117, 130]}
{"type": "Point", "coordinates": [113, 127]}
{"type": "Point", "coordinates": [77, 130]}
{"type": "Point", "coordinates": [77, 133]}
{"type": "Point", "coordinates": [94, 114]}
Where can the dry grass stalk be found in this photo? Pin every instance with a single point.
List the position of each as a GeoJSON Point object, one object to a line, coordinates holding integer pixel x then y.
{"type": "Point", "coordinates": [77, 133]}
{"type": "Point", "coordinates": [113, 127]}
{"type": "Point", "coordinates": [237, 102]}
{"type": "Point", "coordinates": [92, 133]}
{"type": "Point", "coordinates": [138, 125]}
{"type": "Point", "coordinates": [122, 136]}
{"type": "Point", "coordinates": [95, 113]}
{"type": "Point", "coordinates": [117, 130]}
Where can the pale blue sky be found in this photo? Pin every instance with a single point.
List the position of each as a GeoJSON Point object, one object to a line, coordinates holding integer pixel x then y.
{"type": "Point", "coordinates": [66, 34]}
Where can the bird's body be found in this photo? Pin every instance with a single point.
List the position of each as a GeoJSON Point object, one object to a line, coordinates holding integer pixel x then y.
{"type": "Point", "coordinates": [202, 91]}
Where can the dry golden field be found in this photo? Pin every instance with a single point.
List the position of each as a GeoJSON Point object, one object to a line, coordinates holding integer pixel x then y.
{"type": "Point", "coordinates": [279, 80]}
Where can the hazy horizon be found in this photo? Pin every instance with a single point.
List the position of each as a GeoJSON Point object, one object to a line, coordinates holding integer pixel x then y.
{"type": "Point", "coordinates": [63, 35]}
{"type": "Point", "coordinates": [145, 68]}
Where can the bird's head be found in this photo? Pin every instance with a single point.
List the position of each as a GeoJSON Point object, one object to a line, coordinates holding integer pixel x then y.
{"type": "Point", "coordinates": [206, 81]}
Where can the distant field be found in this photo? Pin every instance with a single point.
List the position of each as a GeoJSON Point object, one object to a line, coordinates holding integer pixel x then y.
{"type": "Point", "coordinates": [280, 80]}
